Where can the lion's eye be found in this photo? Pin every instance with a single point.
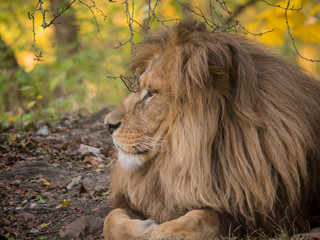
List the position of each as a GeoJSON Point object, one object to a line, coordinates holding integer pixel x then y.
{"type": "Point", "coordinates": [148, 95]}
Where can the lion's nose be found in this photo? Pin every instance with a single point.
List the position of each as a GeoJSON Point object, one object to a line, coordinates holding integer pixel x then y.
{"type": "Point", "coordinates": [112, 127]}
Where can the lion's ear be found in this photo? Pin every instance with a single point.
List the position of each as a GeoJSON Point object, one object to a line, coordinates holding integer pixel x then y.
{"type": "Point", "coordinates": [218, 62]}
{"type": "Point", "coordinates": [237, 75]}
{"type": "Point", "coordinates": [234, 69]}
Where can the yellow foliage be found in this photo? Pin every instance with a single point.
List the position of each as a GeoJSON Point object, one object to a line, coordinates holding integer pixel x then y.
{"type": "Point", "coordinates": [308, 50]}
{"type": "Point", "coordinates": [98, 58]}
{"type": "Point", "coordinates": [64, 203]}
{"type": "Point", "coordinates": [308, 33]}
{"type": "Point", "coordinates": [45, 182]}
{"type": "Point", "coordinates": [303, 24]}
{"type": "Point", "coordinates": [315, 10]}
{"type": "Point", "coordinates": [13, 118]}
{"type": "Point", "coordinates": [26, 59]}
{"type": "Point", "coordinates": [119, 19]}
{"type": "Point", "coordinates": [168, 10]}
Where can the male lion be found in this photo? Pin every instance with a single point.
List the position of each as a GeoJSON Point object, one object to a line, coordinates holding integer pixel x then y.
{"type": "Point", "coordinates": [221, 139]}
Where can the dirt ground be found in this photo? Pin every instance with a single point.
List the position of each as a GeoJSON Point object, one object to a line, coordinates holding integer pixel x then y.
{"type": "Point", "coordinates": [54, 178]}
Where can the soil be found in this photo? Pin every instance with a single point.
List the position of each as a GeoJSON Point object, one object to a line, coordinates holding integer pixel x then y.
{"type": "Point", "coordinates": [54, 178]}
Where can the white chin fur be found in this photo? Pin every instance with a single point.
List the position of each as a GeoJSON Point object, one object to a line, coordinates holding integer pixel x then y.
{"type": "Point", "coordinates": [129, 161]}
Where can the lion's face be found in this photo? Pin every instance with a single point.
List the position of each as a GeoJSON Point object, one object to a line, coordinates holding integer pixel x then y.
{"type": "Point", "coordinates": [138, 125]}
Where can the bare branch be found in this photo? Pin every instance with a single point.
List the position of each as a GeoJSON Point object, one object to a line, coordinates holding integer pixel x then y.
{"type": "Point", "coordinates": [32, 16]}
{"type": "Point", "coordinates": [121, 44]}
{"type": "Point", "coordinates": [140, 25]}
{"type": "Point", "coordinates": [209, 22]}
{"type": "Point", "coordinates": [170, 20]}
{"type": "Point", "coordinates": [285, 8]}
{"type": "Point", "coordinates": [240, 9]}
{"type": "Point", "coordinates": [98, 9]}
{"type": "Point", "coordinates": [66, 25]}
{"type": "Point", "coordinates": [237, 22]}
{"type": "Point", "coordinates": [131, 83]}
{"type": "Point", "coordinates": [216, 25]}
{"type": "Point", "coordinates": [211, 10]}
{"type": "Point", "coordinates": [94, 16]}
{"type": "Point", "coordinates": [292, 39]}
{"type": "Point", "coordinates": [226, 27]}
{"type": "Point", "coordinates": [138, 32]}
{"type": "Point", "coordinates": [129, 21]}
{"type": "Point", "coordinates": [39, 7]}
{"type": "Point", "coordinates": [55, 16]}
{"type": "Point", "coordinates": [153, 15]}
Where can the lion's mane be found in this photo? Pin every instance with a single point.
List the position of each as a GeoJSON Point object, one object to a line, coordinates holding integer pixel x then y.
{"type": "Point", "coordinates": [243, 136]}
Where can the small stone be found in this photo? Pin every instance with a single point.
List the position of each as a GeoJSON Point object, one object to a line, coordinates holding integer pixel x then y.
{"type": "Point", "coordinates": [67, 122]}
{"type": "Point", "coordinates": [28, 216]}
{"type": "Point", "coordinates": [85, 149]}
{"type": "Point", "coordinates": [83, 189]}
{"type": "Point", "coordinates": [83, 225]}
{"type": "Point", "coordinates": [39, 124]}
{"type": "Point", "coordinates": [16, 182]}
{"type": "Point", "coordinates": [74, 182]}
{"type": "Point", "coordinates": [33, 205]}
{"type": "Point", "coordinates": [43, 131]}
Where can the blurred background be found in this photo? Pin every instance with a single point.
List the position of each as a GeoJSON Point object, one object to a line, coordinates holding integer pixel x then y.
{"type": "Point", "coordinates": [91, 40]}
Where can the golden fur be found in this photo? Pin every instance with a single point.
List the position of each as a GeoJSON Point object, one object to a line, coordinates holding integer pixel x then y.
{"type": "Point", "coordinates": [237, 130]}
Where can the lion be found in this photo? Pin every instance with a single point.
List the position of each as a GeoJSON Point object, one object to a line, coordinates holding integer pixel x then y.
{"type": "Point", "coordinates": [221, 138]}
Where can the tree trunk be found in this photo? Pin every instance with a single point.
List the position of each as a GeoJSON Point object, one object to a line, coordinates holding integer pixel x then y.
{"type": "Point", "coordinates": [65, 30]}
{"type": "Point", "coordinates": [11, 94]}
{"type": "Point", "coordinates": [7, 58]}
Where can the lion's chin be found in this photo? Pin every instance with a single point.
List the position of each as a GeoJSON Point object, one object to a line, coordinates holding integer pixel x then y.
{"type": "Point", "coordinates": [130, 161]}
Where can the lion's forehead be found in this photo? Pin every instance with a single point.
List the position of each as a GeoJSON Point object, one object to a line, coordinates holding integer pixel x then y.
{"type": "Point", "coordinates": [147, 78]}
{"type": "Point", "coordinates": [155, 75]}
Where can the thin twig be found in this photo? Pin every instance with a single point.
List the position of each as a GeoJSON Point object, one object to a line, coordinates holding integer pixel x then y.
{"type": "Point", "coordinates": [39, 7]}
{"type": "Point", "coordinates": [211, 8]}
{"type": "Point", "coordinates": [285, 8]}
{"type": "Point", "coordinates": [129, 21]}
{"type": "Point", "coordinates": [150, 19]}
{"type": "Point", "coordinates": [153, 15]}
{"type": "Point", "coordinates": [292, 39]}
{"type": "Point", "coordinates": [170, 20]}
{"type": "Point", "coordinates": [209, 22]}
{"type": "Point", "coordinates": [237, 22]}
{"type": "Point", "coordinates": [131, 83]}
{"type": "Point", "coordinates": [67, 26]}
{"type": "Point", "coordinates": [32, 16]}
{"type": "Point", "coordinates": [148, 3]}
{"type": "Point", "coordinates": [55, 16]}
{"type": "Point", "coordinates": [241, 8]}
{"type": "Point", "coordinates": [225, 26]}
{"type": "Point", "coordinates": [139, 24]}
{"type": "Point", "coordinates": [94, 16]}
{"type": "Point", "coordinates": [121, 44]}
{"type": "Point", "coordinates": [138, 32]}
{"type": "Point", "coordinates": [132, 12]}
{"type": "Point", "coordinates": [98, 9]}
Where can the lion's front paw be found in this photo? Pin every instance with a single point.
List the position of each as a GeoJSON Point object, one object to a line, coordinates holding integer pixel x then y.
{"type": "Point", "coordinates": [171, 231]}
{"type": "Point", "coordinates": [118, 225]}
{"type": "Point", "coordinates": [166, 238]}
